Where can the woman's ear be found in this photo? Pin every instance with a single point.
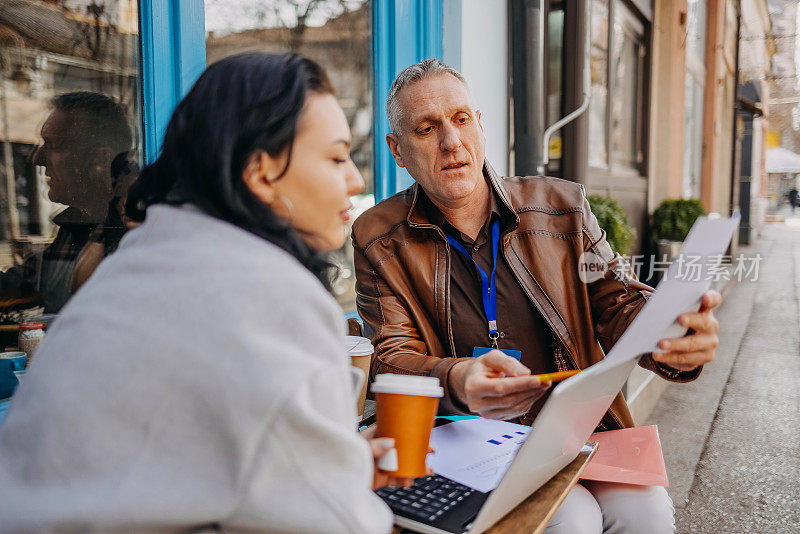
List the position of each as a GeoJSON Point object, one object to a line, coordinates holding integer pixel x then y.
{"type": "Point", "coordinates": [260, 174]}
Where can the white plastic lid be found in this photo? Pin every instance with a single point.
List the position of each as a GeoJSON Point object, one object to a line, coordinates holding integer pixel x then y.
{"type": "Point", "coordinates": [424, 386]}
{"type": "Point", "coordinates": [358, 346]}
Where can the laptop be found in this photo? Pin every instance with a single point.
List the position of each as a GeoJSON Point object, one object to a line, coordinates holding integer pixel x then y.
{"type": "Point", "coordinates": [438, 505]}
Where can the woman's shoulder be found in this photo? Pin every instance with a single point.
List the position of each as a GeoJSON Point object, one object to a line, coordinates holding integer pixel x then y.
{"type": "Point", "coordinates": [185, 236]}
{"type": "Point", "coordinates": [213, 272]}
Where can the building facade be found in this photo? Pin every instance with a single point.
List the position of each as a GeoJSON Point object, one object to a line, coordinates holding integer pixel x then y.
{"type": "Point", "coordinates": [655, 80]}
{"type": "Point", "coordinates": [782, 82]}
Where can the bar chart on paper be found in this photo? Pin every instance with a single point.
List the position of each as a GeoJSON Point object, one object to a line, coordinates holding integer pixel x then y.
{"type": "Point", "coordinates": [499, 440]}
{"type": "Point", "coordinates": [476, 452]}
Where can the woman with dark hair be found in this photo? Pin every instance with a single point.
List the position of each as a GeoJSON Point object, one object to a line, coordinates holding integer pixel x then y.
{"type": "Point", "coordinates": [198, 380]}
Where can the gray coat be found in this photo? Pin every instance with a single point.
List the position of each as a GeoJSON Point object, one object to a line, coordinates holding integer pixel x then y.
{"type": "Point", "coordinates": [198, 379]}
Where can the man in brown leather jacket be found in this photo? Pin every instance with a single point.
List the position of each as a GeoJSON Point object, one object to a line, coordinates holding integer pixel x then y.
{"type": "Point", "coordinates": [425, 268]}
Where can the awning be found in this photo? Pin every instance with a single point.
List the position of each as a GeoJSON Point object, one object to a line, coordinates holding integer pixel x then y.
{"type": "Point", "coordinates": [781, 160]}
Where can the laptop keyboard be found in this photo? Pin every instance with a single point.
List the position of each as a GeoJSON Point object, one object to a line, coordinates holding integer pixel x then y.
{"type": "Point", "coordinates": [427, 500]}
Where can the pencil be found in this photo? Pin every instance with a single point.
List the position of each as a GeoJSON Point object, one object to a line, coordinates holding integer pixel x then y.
{"type": "Point", "coordinates": [556, 377]}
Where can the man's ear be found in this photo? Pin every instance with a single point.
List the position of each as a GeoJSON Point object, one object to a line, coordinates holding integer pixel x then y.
{"type": "Point", "coordinates": [394, 148]}
{"type": "Point", "coordinates": [100, 158]}
{"type": "Point", "coordinates": [260, 173]}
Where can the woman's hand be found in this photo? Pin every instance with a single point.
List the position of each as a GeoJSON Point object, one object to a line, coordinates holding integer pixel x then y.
{"type": "Point", "coordinates": [380, 448]}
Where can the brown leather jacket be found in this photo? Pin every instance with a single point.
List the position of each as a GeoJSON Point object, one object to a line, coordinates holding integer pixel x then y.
{"type": "Point", "coordinates": [402, 271]}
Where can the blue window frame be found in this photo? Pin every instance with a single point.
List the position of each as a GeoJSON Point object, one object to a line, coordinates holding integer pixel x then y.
{"type": "Point", "coordinates": [405, 32]}
{"type": "Point", "coordinates": [173, 56]}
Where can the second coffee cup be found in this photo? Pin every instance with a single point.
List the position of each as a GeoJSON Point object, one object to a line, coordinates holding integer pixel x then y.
{"type": "Point", "coordinates": [360, 350]}
{"type": "Point", "coordinates": [405, 410]}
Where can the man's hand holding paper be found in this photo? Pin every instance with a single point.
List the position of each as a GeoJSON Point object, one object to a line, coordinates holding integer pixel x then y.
{"type": "Point", "coordinates": [697, 347]}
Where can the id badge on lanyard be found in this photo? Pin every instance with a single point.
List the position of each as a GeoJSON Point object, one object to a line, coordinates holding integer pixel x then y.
{"type": "Point", "coordinates": [480, 351]}
{"type": "Point", "coordinates": [488, 293]}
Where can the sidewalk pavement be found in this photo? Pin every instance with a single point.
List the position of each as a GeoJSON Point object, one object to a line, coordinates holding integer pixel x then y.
{"type": "Point", "coordinates": [731, 438]}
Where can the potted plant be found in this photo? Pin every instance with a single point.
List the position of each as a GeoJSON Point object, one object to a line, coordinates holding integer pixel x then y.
{"type": "Point", "coordinates": [611, 218]}
{"type": "Point", "coordinates": [672, 220]}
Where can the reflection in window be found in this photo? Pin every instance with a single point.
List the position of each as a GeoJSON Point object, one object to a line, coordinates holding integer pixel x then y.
{"type": "Point", "coordinates": [624, 139]}
{"type": "Point", "coordinates": [555, 67]}
{"type": "Point", "coordinates": [696, 29]}
{"type": "Point", "coordinates": [336, 34]}
{"type": "Point", "coordinates": [68, 106]}
{"type": "Point", "coordinates": [693, 105]}
{"type": "Point", "coordinates": [617, 63]}
{"type": "Point", "coordinates": [598, 156]}
{"type": "Point", "coordinates": [692, 138]}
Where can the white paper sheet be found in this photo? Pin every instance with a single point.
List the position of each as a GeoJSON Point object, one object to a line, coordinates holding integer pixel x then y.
{"type": "Point", "coordinates": [688, 277]}
{"type": "Point", "coordinates": [477, 452]}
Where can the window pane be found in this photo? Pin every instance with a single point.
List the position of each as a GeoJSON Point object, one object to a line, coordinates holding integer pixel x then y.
{"type": "Point", "coordinates": [555, 58]}
{"type": "Point", "coordinates": [696, 30]}
{"type": "Point", "coordinates": [338, 35]}
{"type": "Point", "coordinates": [70, 136]}
{"type": "Point", "coordinates": [598, 156]}
{"type": "Point", "coordinates": [625, 99]}
{"type": "Point", "coordinates": [693, 138]}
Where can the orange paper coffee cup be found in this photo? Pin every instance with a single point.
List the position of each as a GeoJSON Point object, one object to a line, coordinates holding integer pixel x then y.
{"type": "Point", "coordinates": [406, 408]}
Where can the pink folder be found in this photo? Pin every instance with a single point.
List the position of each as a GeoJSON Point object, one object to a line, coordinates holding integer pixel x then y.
{"type": "Point", "coordinates": [630, 456]}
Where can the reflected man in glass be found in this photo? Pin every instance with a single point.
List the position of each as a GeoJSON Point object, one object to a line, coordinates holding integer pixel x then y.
{"type": "Point", "coordinates": [85, 138]}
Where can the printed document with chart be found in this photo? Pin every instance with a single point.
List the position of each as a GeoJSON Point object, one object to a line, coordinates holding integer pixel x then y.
{"type": "Point", "coordinates": [476, 452]}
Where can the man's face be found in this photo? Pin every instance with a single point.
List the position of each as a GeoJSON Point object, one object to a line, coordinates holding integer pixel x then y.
{"type": "Point", "coordinates": [441, 141]}
{"type": "Point", "coordinates": [77, 173]}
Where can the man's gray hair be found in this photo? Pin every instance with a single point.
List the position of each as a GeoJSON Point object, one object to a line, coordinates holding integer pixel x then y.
{"type": "Point", "coordinates": [409, 75]}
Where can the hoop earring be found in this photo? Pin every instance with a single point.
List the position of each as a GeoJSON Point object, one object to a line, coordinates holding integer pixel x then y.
{"type": "Point", "coordinates": [289, 206]}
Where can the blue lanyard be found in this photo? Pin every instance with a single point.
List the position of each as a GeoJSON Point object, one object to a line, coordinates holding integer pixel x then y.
{"type": "Point", "coordinates": [488, 288]}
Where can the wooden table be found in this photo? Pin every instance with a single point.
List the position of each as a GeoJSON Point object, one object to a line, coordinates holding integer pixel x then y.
{"type": "Point", "coordinates": [533, 514]}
